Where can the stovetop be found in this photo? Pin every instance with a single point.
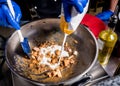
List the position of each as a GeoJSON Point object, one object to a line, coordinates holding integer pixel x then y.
{"type": "Point", "coordinates": [7, 78]}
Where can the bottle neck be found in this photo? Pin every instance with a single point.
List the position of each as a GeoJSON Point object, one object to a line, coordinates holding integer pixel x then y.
{"type": "Point", "coordinates": [112, 23]}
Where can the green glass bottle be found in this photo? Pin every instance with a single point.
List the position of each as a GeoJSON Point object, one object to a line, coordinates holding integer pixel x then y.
{"type": "Point", "coordinates": [106, 41]}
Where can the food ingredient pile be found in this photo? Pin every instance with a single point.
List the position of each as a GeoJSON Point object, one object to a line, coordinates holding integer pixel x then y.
{"type": "Point", "coordinates": [44, 58]}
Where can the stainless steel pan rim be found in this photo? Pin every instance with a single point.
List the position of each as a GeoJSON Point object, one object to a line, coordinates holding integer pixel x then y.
{"type": "Point", "coordinates": [67, 82]}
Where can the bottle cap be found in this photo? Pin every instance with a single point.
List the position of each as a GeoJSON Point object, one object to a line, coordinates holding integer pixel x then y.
{"type": "Point", "coordinates": [113, 21]}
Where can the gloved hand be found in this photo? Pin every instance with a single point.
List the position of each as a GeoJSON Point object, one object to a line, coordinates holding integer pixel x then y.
{"type": "Point", "coordinates": [6, 18]}
{"type": "Point", "coordinates": [68, 4]}
{"type": "Point", "coordinates": [105, 15]}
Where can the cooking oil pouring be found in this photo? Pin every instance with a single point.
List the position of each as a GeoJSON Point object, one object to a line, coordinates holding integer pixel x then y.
{"type": "Point", "coordinates": [69, 28]}
{"type": "Point", "coordinates": [106, 41]}
{"type": "Point", "coordinates": [76, 18]}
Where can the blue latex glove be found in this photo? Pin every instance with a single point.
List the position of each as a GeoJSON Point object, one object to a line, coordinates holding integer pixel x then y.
{"type": "Point", "coordinates": [6, 18]}
{"type": "Point", "coordinates": [105, 15]}
{"type": "Point", "coordinates": [68, 4]}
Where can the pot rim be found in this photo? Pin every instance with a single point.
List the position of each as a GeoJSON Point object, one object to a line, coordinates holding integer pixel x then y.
{"type": "Point", "coordinates": [67, 82]}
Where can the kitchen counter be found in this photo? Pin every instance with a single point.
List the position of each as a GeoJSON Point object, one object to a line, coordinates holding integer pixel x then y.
{"type": "Point", "coordinates": [113, 81]}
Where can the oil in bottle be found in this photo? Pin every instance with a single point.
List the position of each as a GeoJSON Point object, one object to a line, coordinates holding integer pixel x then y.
{"type": "Point", "coordinates": [106, 41]}
{"type": "Point", "coordinates": [64, 26]}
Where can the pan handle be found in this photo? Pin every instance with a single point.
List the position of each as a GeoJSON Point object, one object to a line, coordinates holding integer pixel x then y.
{"type": "Point", "coordinates": [92, 76]}
{"type": "Point", "coordinates": [86, 78]}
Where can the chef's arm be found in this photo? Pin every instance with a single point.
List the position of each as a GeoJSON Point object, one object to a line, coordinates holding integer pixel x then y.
{"type": "Point", "coordinates": [105, 15]}
{"type": "Point", "coordinates": [113, 4]}
{"type": "Point", "coordinates": [98, 23]}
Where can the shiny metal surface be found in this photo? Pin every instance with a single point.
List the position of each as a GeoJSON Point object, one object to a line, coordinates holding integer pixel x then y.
{"type": "Point", "coordinates": [96, 72]}
{"type": "Point", "coordinates": [113, 66]}
{"type": "Point", "coordinates": [48, 29]}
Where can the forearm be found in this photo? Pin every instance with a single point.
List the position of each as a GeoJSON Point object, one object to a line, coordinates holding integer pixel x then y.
{"type": "Point", "coordinates": [113, 4]}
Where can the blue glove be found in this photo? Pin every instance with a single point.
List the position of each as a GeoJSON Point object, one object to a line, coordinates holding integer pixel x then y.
{"type": "Point", "coordinates": [68, 4]}
{"type": "Point", "coordinates": [6, 18]}
{"type": "Point", "coordinates": [105, 15]}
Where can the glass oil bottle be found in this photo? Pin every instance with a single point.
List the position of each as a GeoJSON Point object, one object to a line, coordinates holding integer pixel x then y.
{"type": "Point", "coordinates": [106, 41]}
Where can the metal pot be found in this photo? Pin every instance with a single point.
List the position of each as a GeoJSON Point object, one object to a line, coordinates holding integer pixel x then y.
{"type": "Point", "coordinates": [48, 29]}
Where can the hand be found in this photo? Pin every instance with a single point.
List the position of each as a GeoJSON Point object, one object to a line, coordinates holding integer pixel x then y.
{"type": "Point", "coordinates": [6, 18]}
{"type": "Point", "coordinates": [105, 15]}
{"type": "Point", "coordinates": [68, 4]}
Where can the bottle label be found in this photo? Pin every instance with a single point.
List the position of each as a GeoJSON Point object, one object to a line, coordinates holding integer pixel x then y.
{"type": "Point", "coordinates": [100, 44]}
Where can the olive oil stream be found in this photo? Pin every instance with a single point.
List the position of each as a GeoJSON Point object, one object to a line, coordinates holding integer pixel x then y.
{"type": "Point", "coordinates": [64, 28]}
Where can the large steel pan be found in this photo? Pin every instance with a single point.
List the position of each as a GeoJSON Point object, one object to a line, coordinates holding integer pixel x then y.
{"type": "Point", "coordinates": [47, 29]}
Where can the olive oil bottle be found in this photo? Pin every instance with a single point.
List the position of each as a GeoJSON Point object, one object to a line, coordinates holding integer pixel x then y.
{"type": "Point", "coordinates": [106, 41]}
